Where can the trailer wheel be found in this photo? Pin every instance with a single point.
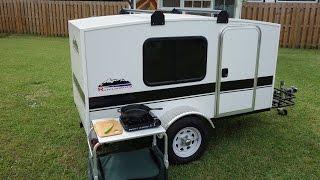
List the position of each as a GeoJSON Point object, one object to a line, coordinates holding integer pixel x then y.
{"type": "Point", "coordinates": [187, 139]}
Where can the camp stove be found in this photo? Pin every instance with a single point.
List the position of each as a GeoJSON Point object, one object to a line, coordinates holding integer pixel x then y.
{"type": "Point", "coordinates": [138, 117]}
{"type": "Point", "coordinates": [134, 124]}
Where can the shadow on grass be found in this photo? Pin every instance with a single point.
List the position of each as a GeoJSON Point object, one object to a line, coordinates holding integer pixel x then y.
{"type": "Point", "coordinates": [230, 126]}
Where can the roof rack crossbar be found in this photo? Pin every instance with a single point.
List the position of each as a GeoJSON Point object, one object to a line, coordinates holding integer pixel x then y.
{"type": "Point", "coordinates": [174, 10]}
{"type": "Point", "coordinates": [198, 10]}
{"type": "Point", "coordinates": [222, 15]}
{"type": "Point", "coordinates": [128, 11]}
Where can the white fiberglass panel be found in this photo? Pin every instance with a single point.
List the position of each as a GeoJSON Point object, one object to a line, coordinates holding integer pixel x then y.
{"type": "Point", "coordinates": [263, 98]}
{"type": "Point", "coordinates": [239, 53]}
{"type": "Point", "coordinates": [235, 101]}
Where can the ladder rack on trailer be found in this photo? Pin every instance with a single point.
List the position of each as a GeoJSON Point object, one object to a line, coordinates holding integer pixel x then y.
{"type": "Point", "coordinates": [283, 97]}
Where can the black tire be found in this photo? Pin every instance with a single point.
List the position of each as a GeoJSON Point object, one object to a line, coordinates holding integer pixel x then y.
{"type": "Point", "coordinates": [189, 121]}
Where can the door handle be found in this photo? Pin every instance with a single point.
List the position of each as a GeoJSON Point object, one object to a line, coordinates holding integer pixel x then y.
{"type": "Point", "coordinates": [224, 72]}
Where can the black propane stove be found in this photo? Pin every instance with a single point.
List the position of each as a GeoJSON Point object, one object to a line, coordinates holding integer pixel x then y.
{"type": "Point", "coordinates": [137, 117]}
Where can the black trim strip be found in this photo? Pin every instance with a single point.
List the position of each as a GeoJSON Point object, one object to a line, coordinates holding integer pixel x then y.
{"type": "Point", "coordinates": [245, 89]}
{"type": "Point", "coordinates": [128, 98]}
{"type": "Point", "coordinates": [76, 82]}
{"type": "Point", "coordinates": [245, 83]}
{"type": "Point", "coordinates": [266, 80]}
{"type": "Point", "coordinates": [159, 101]}
{"type": "Point", "coordinates": [162, 94]}
{"type": "Point", "coordinates": [238, 84]}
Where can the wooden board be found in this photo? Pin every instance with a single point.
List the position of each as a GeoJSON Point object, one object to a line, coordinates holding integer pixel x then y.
{"type": "Point", "coordinates": [300, 21]}
{"type": "Point", "coordinates": [300, 24]}
{"type": "Point", "coordinates": [101, 126]}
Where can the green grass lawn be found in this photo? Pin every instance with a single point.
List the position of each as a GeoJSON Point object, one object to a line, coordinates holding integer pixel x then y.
{"type": "Point", "coordinates": [40, 135]}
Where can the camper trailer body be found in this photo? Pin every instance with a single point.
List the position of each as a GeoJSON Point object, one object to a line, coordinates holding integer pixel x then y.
{"type": "Point", "coordinates": [111, 66]}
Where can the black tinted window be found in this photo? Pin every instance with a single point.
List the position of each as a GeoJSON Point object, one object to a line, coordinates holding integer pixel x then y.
{"type": "Point", "coordinates": [174, 60]}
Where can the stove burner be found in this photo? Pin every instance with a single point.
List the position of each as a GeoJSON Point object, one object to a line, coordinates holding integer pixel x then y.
{"type": "Point", "coordinates": [134, 123]}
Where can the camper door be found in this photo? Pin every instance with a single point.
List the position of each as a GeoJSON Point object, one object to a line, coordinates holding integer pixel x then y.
{"type": "Point", "coordinates": [237, 70]}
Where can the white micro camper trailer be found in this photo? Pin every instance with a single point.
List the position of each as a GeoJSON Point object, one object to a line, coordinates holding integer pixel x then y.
{"type": "Point", "coordinates": [193, 67]}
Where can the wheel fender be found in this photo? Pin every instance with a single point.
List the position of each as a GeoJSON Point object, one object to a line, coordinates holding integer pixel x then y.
{"type": "Point", "coordinates": [171, 116]}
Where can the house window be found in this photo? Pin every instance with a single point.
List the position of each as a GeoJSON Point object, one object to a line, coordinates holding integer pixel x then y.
{"type": "Point", "coordinates": [187, 3]}
{"type": "Point", "coordinates": [174, 60]}
{"type": "Point", "coordinates": [228, 5]}
{"type": "Point", "coordinates": [171, 3]}
{"type": "Point", "coordinates": [197, 3]}
{"type": "Point", "coordinates": [298, 1]}
{"type": "Point", "coordinates": [256, 1]}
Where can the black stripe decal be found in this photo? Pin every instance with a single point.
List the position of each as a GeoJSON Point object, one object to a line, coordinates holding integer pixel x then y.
{"type": "Point", "coordinates": [154, 95]}
{"type": "Point", "coordinates": [239, 84]}
{"type": "Point", "coordinates": [245, 83]}
{"type": "Point", "coordinates": [76, 82]}
{"type": "Point", "coordinates": [263, 81]}
{"type": "Point", "coordinates": [159, 101]}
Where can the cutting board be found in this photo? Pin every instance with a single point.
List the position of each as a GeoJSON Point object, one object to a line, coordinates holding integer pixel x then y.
{"type": "Point", "coordinates": [101, 126]}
